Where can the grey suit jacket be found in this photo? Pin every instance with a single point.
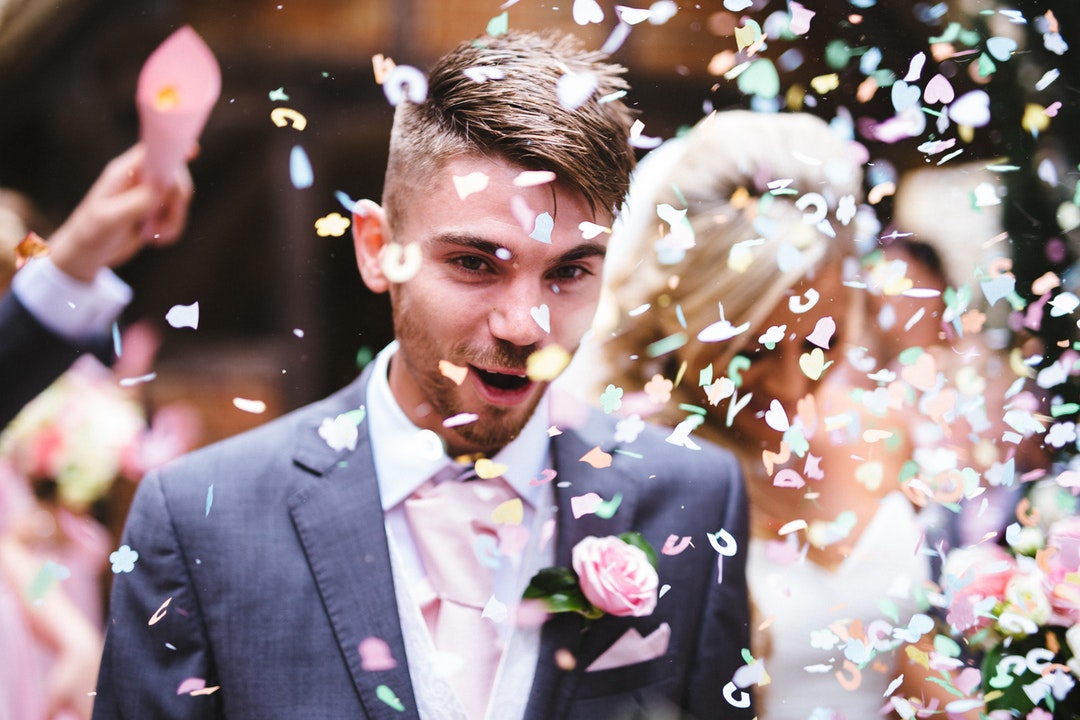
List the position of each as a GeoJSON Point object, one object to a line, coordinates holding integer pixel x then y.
{"type": "Point", "coordinates": [263, 563]}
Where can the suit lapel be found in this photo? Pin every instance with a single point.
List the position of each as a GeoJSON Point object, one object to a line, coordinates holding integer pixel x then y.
{"type": "Point", "coordinates": [553, 688]}
{"type": "Point", "coordinates": [339, 520]}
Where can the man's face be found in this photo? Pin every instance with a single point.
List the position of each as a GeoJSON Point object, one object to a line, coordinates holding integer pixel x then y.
{"type": "Point", "coordinates": [486, 297]}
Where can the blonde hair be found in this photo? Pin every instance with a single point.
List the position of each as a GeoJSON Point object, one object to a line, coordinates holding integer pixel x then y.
{"type": "Point", "coordinates": [517, 116]}
{"type": "Point", "coordinates": [740, 176]}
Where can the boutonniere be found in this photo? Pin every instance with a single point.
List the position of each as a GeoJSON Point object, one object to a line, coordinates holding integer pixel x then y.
{"type": "Point", "coordinates": [614, 575]}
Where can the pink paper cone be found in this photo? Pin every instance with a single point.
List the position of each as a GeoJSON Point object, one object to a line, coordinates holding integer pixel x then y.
{"type": "Point", "coordinates": [177, 89]}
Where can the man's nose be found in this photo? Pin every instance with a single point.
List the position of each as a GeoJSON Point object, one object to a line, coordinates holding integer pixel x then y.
{"type": "Point", "coordinates": [520, 316]}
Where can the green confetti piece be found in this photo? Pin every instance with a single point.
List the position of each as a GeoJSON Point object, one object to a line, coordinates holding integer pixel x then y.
{"type": "Point", "coordinates": [355, 416]}
{"type": "Point", "coordinates": [945, 645]}
{"type": "Point", "coordinates": [499, 24]}
{"type": "Point", "coordinates": [278, 94]}
{"type": "Point", "coordinates": [837, 55]}
{"type": "Point", "coordinates": [363, 356]}
{"type": "Point", "coordinates": [747, 656]}
{"type": "Point", "coordinates": [1064, 409]}
{"type": "Point", "coordinates": [607, 508]}
{"type": "Point", "coordinates": [666, 345]}
{"type": "Point", "coordinates": [705, 377]}
{"type": "Point", "coordinates": [389, 697]}
{"type": "Point", "coordinates": [50, 573]}
{"type": "Point", "coordinates": [760, 79]}
{"type": "Point", "coordinates": [636, 456]}
{"type": "Point", "coordinates": [986, 66]}
{"type": "Point", "coordinates": [686, 407]}
{"type": "Point", "coordinates": [909, 356]}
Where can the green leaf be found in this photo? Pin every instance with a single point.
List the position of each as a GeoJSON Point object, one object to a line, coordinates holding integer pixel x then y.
{"type": "Point", "coordinates": [638, 541]}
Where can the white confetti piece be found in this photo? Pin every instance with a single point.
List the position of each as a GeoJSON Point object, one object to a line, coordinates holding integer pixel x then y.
{"type": "Point", "coordinates": [255, 407]}
{"type": "Point", "coordinates": [181, 316]}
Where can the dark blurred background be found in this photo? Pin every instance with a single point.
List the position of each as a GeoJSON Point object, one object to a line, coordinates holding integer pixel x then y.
{"type": "Point", "coordinates": [283, 314]}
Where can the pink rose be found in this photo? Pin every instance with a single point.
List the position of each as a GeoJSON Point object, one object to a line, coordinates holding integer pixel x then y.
{"type": "Point", "coordinates": [1060, 564]}
{"type": "Point", "coordinates": [615, 576]}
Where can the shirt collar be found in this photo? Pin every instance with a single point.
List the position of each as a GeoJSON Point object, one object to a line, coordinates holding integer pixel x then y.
{"type": "Point", "coordinates": [406, 455]}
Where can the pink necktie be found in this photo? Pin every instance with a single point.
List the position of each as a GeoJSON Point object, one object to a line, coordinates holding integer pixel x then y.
{"type": "Point", "coordinates": [456, 536]}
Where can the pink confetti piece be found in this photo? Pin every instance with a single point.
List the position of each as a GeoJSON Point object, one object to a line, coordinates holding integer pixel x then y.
{"type": "Point", "coordinates": [375, 655]}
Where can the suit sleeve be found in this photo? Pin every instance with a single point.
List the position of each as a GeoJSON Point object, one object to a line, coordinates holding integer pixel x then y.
{"type": "Point", "coordinates": [155, 640]}
{"type": "Point", "coordinates": [725, 622]}
{"type": "Point", "coordinates": [31, 356]}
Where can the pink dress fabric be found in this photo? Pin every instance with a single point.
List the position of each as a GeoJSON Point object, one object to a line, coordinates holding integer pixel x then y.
{"type": "Point", "coordinates": [25, 659]}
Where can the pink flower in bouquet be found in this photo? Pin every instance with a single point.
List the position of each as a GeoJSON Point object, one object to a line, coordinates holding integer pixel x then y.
{"type": "Point", "coordinates": [1061, 564]}
{"type": "Point", "coordinates": [977, 572]}
{"type": "Point", "coordinates": [615, 576]}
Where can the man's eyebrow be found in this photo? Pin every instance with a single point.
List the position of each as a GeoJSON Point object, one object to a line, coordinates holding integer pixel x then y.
{"type": "Point", "coordinates": [578, 252]}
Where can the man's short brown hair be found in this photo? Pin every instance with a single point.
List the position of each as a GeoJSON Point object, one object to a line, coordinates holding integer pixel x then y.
{"type": "Point", "coordinates": [516, 116]}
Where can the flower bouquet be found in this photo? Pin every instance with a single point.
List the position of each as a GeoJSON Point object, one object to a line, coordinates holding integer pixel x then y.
{"type": "Point", "coordinates": [1019, 605]}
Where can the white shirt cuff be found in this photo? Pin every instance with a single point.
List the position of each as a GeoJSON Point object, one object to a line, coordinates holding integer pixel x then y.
{"type": "Point", "coordinates": [70, 308]}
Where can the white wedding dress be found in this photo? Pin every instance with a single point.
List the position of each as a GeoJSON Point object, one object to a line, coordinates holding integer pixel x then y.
{"type": "Point", "coordinates": [833, 650]}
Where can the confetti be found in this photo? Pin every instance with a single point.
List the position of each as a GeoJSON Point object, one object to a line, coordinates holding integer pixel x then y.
{"type": "Point", "coordinates": [542, 230]}
{"type": "Point", "coordinates": [597, 458]}
{"type": "Point", "coordinates": [375, 655]}
{"type": "Point", "coordinates": [400, 263]}
{"type": "Point", "coordinates": [300, 173]}
{"type": "Point", "coordinates": [498, 25]}
{"type": "Point", "coordinates": [573, 89]}
{"type": "Point", "coordinates": [541, 314]}
{"type": "Point", "coordinates": [209, 500]}
{"type": "Point", "coordinates": [181, 316]}
{"type": "Point", "coordinates": [191, 685]}
{"type": "Point", "coordinates": [282, 116]}
{"type": "Point", "coordinates": [123, 560]}
{"type": "Point", "coordinates": [256, 407]}
{"type": "Point", "coordinates": [405, 83]}
{"type": "Point", "coordinates": [611, 399]}
{"type": "Point", "coordinates": [547, 363]}
{"type": "Point", "coordinates": [388, 697]}
{"type": "Point", "coordinates": [332, 225]}
{"type": "Point", "coordinates": [587, 11]}
{"type": "Point", "coordinates": [460, 419]}
{"type": "Point", "coordinates": [278, 95]}
{"type": "Point", "coordinates": [585, 504]}
{"type": "Point", "coordinates": [455, 373]}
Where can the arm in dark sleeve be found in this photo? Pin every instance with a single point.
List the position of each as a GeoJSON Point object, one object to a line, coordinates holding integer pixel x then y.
{"type": "Point", "coordinates": [31, 356]}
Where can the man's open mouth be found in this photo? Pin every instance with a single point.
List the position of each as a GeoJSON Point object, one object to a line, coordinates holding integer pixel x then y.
{"type": "Point", "coordinates": [502, 381]}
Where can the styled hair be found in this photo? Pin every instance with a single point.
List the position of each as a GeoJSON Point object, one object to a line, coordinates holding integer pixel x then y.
{"type": "Point", "coordinates": [509, 107]}
{"type": "Point", "coordinates": [739, 177]}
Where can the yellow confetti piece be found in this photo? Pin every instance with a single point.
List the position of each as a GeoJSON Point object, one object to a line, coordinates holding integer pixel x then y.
{"type": "Point", "coordinates": [487, 469]}
{"type": "Point", "coordinates": [510, 512]}
{"type": "Point", "coordinates": [1035, 119]}
{"type": "Point", "coordinates": [332, 225]}
{"type": "Point", "coordinates": [917, 656]}
{"type": "Point", "coordinates": [547, 363]}
{"type": "Point", "coordinates": [824, 84]}
{"type": "Point", "coordinates": [205, 691]}
{"type": "Point", "coordinates": [282, 116]}
{"type": "Point", "coordinates": [747, 35]}
{"type": "Point", "coordinates": [167, 98]}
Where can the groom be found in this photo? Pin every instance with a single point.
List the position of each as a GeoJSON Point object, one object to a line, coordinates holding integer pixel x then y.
{"type": "Point", "coordinates": [287, 572]}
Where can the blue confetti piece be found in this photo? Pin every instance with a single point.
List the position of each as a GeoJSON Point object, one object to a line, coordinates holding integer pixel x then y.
{"type": "Point", "coordinates": [118, 343]}
{"type": "Point", "coordinates": [278, 94]}
{"type": "Point", "coordinates": [346, 202]}
{"type": "Point", "coordinates": [300, 169]}
{"type": "Point", "coordinates": [543, 227]}
{"type": "Point", "coordinates": [209, 499]}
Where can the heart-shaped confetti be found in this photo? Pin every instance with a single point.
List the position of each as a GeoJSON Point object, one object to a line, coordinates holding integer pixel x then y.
{"type": "Point", "coordinates": [760, 78]}
{"type": "Point", "coordinates": [1001, 48]}
{"type": "Point", "coordinates": [573, 89]}
{"type": "Point", "coordinates": [587, 11]}
{"type": "Point", "coordinates": [921, 374]}
{"type": "Point", "coordinates": [776, 417]}
{"type": "Point", "coordinates": [904, 95]}
{"type": "Point", "coordinates": [813, 363]}
{"type": "Point", "coordinates": [542, 315]}
{"type": "Point", "coordinates": [939, 90]}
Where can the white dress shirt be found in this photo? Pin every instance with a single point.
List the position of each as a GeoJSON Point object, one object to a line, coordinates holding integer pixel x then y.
{"type": "Point", "coordinates": [72, 309]}
{"type": "Point", "coordinates": [405, 456]}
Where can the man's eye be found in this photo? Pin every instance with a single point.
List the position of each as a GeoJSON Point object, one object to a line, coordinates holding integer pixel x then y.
{"type": "Point", "coordinates": [470, 263]}
{"type": "Point", "coordinates": [569, 272]}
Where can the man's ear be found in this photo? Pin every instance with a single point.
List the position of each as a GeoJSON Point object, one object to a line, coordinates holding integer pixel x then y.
{"type": "Point", "coordinates": [370, 235]}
